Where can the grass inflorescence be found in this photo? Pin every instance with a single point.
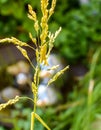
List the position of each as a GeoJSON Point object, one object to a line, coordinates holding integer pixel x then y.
{"type": "Point", "coordinates": [43, 47]}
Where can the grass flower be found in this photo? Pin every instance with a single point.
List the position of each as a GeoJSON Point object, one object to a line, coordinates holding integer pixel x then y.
{"type": "Point", "coordinates": [42, 50]}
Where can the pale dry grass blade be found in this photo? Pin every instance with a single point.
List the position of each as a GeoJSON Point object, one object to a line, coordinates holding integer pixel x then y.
{"type": "Point", "coordinates": [34, 115]}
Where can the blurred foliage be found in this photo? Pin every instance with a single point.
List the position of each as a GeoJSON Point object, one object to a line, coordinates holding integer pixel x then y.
{"type": "Point", "coordinates": [14, 20]}
{"type": "Point", "coordinates": [81, 111]}
{"type": "Point", "coordinates": [5, 78]}
{"type": "Point", "coordinates": [80, 23]}
{"type": "Point", "coordinates": [79, 40]}
{"type": "Point", "coordinates": [81, 29]}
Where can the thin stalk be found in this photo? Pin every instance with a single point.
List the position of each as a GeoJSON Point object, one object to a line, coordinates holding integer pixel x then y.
{"type": "Point", "coordinates": [31, 64]}
{"type": "Point", "coordinates": [26, 98]}
{"type": "Point", "coordinates": [35, 101]}
{"type": "Point", "coordinates": [34, 111]}
{"type": "Point", "coordinates": [31, 47]}
{"type": "Point", "coordinates": [91, 85]}
{"type": "Point", "coordinates": [32, 121]}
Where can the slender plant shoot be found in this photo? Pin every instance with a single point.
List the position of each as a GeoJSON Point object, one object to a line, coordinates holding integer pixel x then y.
{"type": "Point", "coordinates": [42, 51]}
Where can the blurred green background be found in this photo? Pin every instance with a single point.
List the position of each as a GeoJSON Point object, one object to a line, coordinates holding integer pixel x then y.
{"type": "Point", "coordinates": [79, 43]}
